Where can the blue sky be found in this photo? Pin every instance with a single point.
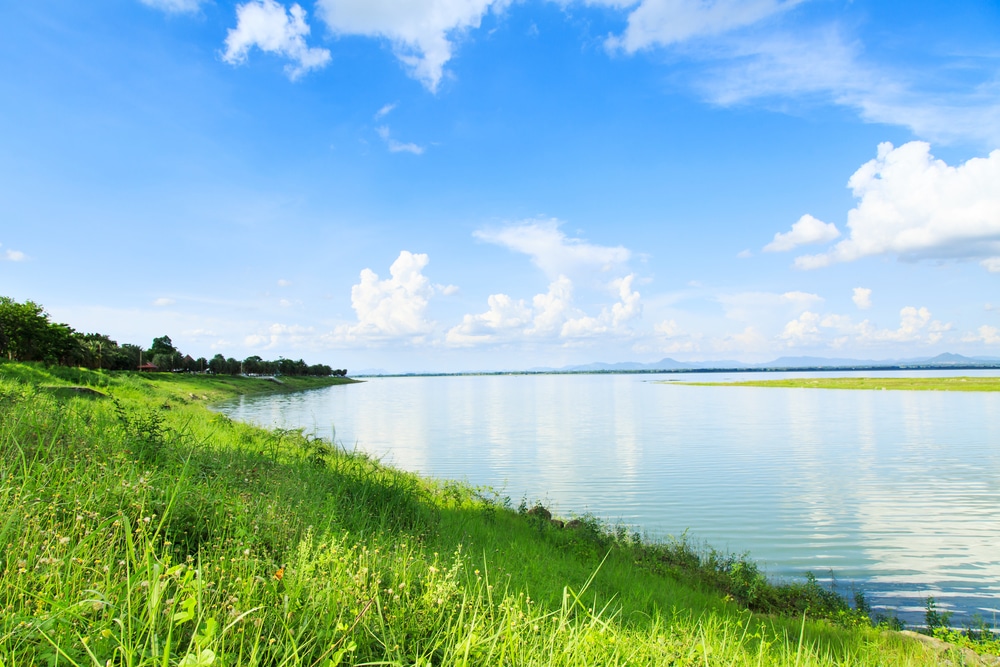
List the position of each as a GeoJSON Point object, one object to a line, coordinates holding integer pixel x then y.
{"type": "Point", "coordinates": [492, 184]}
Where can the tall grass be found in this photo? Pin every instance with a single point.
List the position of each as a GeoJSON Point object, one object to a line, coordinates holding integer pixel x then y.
{"type": "Point", "coordinates": [141, 529]}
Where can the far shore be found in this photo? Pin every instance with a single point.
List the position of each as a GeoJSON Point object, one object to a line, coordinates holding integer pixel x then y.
{"type": "Point", "coordinates": [894, 383]}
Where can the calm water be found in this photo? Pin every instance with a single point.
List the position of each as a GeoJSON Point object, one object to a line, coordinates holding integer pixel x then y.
{"type": "Point", "coordinates": [898, 492]}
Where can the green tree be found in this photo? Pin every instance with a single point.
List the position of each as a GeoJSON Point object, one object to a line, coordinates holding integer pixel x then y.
{"type": "Point", "coordinates": [22, 328]}
{"type": "Point", "coordinates": [217, 365]}
{"type": "Point", "coordinates": [162, 345]}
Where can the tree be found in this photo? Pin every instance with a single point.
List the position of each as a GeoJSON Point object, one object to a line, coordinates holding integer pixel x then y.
{"type": "Point", "coordinates": [162, 345]}
{"type": "Point", "coordinates": [217, 365]}
{"type": "Point", "coordinates": [23, 330]}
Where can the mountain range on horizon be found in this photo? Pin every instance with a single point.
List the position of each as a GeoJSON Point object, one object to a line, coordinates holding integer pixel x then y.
{"type": "Point", "coordinates": [943, 360]}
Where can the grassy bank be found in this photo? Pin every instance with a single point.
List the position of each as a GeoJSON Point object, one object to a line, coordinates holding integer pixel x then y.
{"type": "Point", "coordinates": [138, 528]}
{"type": "Point", "coordinates": [893, 383]}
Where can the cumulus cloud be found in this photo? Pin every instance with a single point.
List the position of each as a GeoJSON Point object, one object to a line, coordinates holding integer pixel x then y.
{"type": "Point", "coordinates": [392, 308]}
{"type": "Point", "coordinates": [551, 315]}
{"type": "Point", "coordinates": [280, 334]}
{"type": "Point", "coordinates": [804, 330]}
{"type": "Point", "coordinates": [806, 231]}
{"type": "Point", "coordinates": [284, 283]}
{"type": "Point", "coordinates": [552, 251]}
{"type": "Point", "coordinates": [670, 338]}
{"type": "Point", "coordinates": [916, 207]}
{"type": "Point", "coordinates": [916, 325]}
{"type": "Point", "coordinates": [163, 302]}
{"type": "Point", "coordinates": [985, 334]}
{"type": "Point", "coordinates": [422, 32]}
{"type": "Point", "coordinates": [614, 320]}
{"type": "Point", "coordinates": [504, 317]}
{"type": "Point", "coordinates": [267, 25]}
{"type": "Point", "coordinates": [553, 308]}
{"type": "Point", "coordinates": [13, 255]}
{"type": "Point", "coordinates": [174, 6]}
{"type": "Point", "coordinates": [991, 264]}
{"type": "Point", "coordinates": [666, 22]}
{"type": "Point", "coordinates": [862, 298]}
{"type": "Point", "coordinates": [395, 146]}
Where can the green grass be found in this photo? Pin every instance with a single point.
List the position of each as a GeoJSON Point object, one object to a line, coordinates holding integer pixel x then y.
{"type": "Point", "coordinates": [142, 529]}
{"type": "Point", "coordinates": [894, 383]}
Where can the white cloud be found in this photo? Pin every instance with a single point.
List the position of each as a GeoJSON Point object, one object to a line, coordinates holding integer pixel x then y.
{"type": "Point", "coordinates": [397, 146]}
{"type": "Point", "coordinates": [912, 324]}
{"type": "Point", "coordinates": [504, 317]}
{"type": "Point", "coordinates": [670, 338]}
{"type": "Point", "coordinates": [822, 64]}
{"type": "Point", "coordinates": [608, 321]}
{"type": "Point", "coordinates": [391, 308]}
{"type": "Point", "coordinates": [288, 335]}
{"type": "Point", "coordinates": [284, 283]}
{"type": "Point", "coordinates": [507, 319]}
{"type": "Point", "coordinates": [804, 330]}
{"type": "Point", "coordinates": [807, 230]}
{"type": "Point", "coordinates": [991, 264]}
{"type": "Point", "coordinates": [267, 25]}
{"type": "Point", "coordinates": [915, 325]}
{"type": "Point", "coordinates": [553, 308]}
{"type": "Point", "coordinates": [552, 251]}
{"type": "Point", "coordinates": [985, 334]}
{"type": "Point", "coordinates": [666, 22]}
{"type": "Point", "coordinates": [164, 301]}
{"type": "Point", "coordinates": [385, 111]}
{"type": "Point", "coordinates": [862, 298]}
{"type": "Point", "coordinates": [744, 254]}
{"type": "Point", "coordinates": [13, 255]}
{"type": "Point", "coordinates": [174, 6]}
{"type": "Point", "coordinates": [551, 315]}
{"type": "Point", "coordinates": [422, 32]}
{"type": "Point", "coordinates": [916, 207]}
{"type": "Point", "coordinates": [628, 308]}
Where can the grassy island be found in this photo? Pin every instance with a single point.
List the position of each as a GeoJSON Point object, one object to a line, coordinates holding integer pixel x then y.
{"type": "Point", "coordinates": [893, 383]}
{"type": "Point", "coordinates": [139, 528]}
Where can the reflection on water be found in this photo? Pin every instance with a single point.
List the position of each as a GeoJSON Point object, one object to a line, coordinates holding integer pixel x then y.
{"type": "Point", "coordinates": [898, 492]}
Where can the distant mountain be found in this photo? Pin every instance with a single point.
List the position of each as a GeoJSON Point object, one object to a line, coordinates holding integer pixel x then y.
{"type": "Point", "coordinates": [943, 360]}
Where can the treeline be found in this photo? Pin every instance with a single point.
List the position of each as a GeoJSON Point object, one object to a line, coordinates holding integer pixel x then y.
{"type": "Point", "coordinates": [28, 334]}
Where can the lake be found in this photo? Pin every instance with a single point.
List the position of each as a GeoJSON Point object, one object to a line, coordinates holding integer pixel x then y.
{"type": "Point", "coordinates": [895, 492]}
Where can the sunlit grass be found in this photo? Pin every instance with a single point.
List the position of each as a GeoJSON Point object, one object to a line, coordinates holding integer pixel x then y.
{"type": "Point", "coordinates": [907, 383]}
{"type": "Point", "coordinates": [142, 529]}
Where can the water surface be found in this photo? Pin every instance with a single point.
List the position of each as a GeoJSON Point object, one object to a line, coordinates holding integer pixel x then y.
{"type": "Point", "coordinates": [895, 492]}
